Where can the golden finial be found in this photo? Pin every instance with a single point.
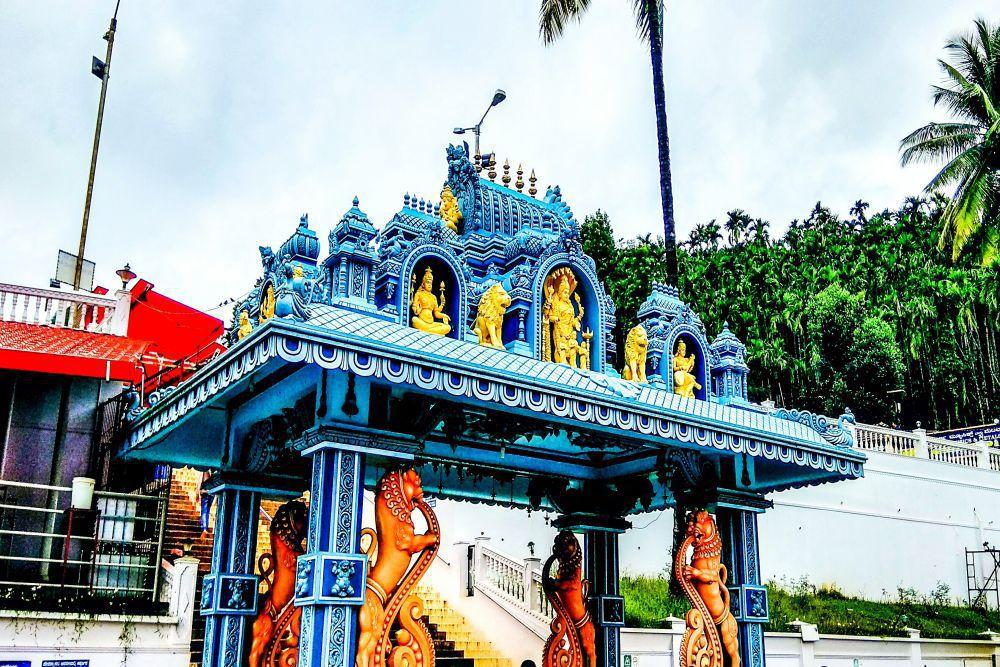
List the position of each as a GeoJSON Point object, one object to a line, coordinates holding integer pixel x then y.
{"type": "Point", "coordinates": [477, 161]}
{"type": "Point", "coordinates": [506, 173]}
{"type": "Point", "coordinates": [493, 166]}
{"type": "Point", "coordinates": [532, 190]}
{"type": "Point", "coordinates": [519, 184]}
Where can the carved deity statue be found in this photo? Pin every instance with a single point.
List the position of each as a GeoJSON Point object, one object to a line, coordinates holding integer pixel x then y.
{"type": "Point", "coordinates": [394, 574]}
{"type": "Point", "coordinates": [636, 346]}
{"type": "Point", "coordinates": [267, 303]}
{"type": "Point", "coordinates": [245, 328]}
{"type": "Point", "coordinates": [685, 383]}
{"type": "Point", "coordinates": [572, 642]}
{"type": "Point", "coordinates": [428, 312]}
{"type": "Point", "coordinates": [489, 317]}
{"type": "Point", "coordinates": [276, 629]}
{"type": "Point", "coordinates": [712, 632]}
{"type": "Point", "coordinates": [562, 339]}
{"type": "Point", "coordinates": [451, 214]}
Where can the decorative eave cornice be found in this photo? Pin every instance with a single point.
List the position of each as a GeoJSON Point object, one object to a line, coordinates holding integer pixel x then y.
{"type": "Point", "coordinates": [336, 349]}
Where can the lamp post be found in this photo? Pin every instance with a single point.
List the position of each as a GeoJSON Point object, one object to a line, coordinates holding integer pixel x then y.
{"type": "Point", "coordinates": [126, 275]}
{"type": "Point", "coordinates": [498, 97]}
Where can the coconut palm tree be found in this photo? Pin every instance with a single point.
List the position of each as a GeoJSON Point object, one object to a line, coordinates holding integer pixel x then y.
{"type": "Point", "coordinates": [555, 15]}
{"type": "Point", "coordinates": [969, 146]}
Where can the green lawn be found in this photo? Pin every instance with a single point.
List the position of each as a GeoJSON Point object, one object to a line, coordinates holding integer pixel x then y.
{"type": "Point", "coordinates": [648, 601]}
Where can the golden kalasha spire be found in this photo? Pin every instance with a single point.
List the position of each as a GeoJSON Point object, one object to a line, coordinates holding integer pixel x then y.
{"type": "Point", "coordinates": [532, 190]}
{"type": "Point", "coordinates": [477, 162]}
{"type": "Point", "coordinates": [493, 167]}
{"type": "Point", "coordinates": [506, 173]}
{"type": "Point", "coordinates": [519, 184]}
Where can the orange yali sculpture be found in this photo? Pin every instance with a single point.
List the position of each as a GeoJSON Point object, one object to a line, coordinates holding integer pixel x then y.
{"type": "Point", "coordinates": [276, 629]}
{"type": "Point", "coordinates": [390, 621]}
{"type": "Point", "coordinates": [710, 624]}
{"type": "Point", "coordinates": [571, 643]}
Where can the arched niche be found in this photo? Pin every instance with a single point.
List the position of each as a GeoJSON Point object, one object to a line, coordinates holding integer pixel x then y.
{"type": "Point", "coordinates": [696, 344]}
{"type": "Point", "coordinates": [593, 316]}
{"type": "Point", "coordinates": [444, 268]}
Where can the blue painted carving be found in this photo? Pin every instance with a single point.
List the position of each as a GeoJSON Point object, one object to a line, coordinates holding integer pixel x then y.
{"type": "Point", "coordinates": [837, 433]}
{"type": "Point", "coordinates": [464, 183]}
{"type": "Point", "coordinates": [667, 319]}
{"type": "Point", "coordinates": [738, 528]}
{"type": "Point", "coordinates": [304, 571]}
{"type": "Point", "coordinates": [352, 259]}
{"type": "Point", "coordinates": [729, 368]}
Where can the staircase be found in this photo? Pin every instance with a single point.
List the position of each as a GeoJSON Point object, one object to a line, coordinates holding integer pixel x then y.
{"type": "Point", "coordinates": [455, 643]}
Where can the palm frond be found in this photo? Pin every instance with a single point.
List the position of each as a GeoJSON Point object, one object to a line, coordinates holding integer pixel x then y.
{"type": "Point", "coordinates": [554, 15]}
{"type": "Point", "coordinates": [943, 141]}
{"type": "Point", "coordinates": [644, 19]}
{"type": "Point", "coordinates": [960, 168]}
{"type": "Point", "coordinates": [963, 215]}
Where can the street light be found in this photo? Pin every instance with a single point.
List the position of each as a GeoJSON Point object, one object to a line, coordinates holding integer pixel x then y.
{"type": "Point", "coordinates": [498, 97]}
{"type": "Point", "coordinates": [126, 275]}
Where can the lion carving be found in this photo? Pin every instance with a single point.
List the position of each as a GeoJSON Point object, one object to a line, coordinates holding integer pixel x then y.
{"type": "Point", "coordinates": [276, 629]}
{"type": "Point", "coordinates": [489, 318]}
{"type": "Point", "coordinates": [711, 629]}
{"type": "Point", "coordinates": [393, 576]}
{"type": "Point", "coordinates": [572, 642]}
{"type": "Point", "coordinates": [636, 346]}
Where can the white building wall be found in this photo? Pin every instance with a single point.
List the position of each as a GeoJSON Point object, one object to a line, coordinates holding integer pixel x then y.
{"type": "Point", "coordinates": [906, 524]}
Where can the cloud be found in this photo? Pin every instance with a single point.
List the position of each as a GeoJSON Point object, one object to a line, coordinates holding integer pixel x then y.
{"type": "Point", "coordinates": [225, 121]}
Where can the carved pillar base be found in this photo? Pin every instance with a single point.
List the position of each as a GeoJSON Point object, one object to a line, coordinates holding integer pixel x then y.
{"type": "Point", "coordinates": [737, 521]}
{"type": "Point", "coordinates": [330, 578]}
{"type": "Point", "coordinates": [229, 592]}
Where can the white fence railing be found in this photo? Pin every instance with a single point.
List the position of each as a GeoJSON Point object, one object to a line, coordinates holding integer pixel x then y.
{"type": "Point", "coordinates": [115, 549]}
{"type": "Point", "coordinates": [922, 446]}
{"type": "Point", "coordinates": [71, 310]}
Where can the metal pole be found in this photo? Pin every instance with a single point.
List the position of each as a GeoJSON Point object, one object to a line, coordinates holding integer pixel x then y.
{"type": "Point", "coordinates": [110, 37]}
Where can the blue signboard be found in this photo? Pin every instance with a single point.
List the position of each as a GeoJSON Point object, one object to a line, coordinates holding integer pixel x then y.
{"type": "Point", "coordinates": [15, 663]}
{"type": "Point", "coordinates": [973, 434]}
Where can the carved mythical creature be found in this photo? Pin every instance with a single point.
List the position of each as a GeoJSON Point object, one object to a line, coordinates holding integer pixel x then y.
{"type": "Point", "coordinates": [685, 383]}
{"type": "Point", "coordinates": [636, 346]}
{"type": "Point", "coordinates": [393, 576]}
{"type": "Point", "coordinates": [276, 630]}
{"type": "Point", "coordinates": [267, 303]}
{"type": "Point", "coordinates": [451, 214]}
{"type": "Point", "coordinates": [245, 327]}
{"type": "Point", "coordinates": [489, 317]}
{"type": "Point", "coordinates": [571, 643]}
{"type": "Point", "coordinates": [427, 311]}
{"type": "Point", "coordinates": [710, 625]}
{"type": "Point", "coordinates": [561, 321]}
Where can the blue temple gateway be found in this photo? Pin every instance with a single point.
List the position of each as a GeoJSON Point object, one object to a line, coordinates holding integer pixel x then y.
{"type": "Point", "coordinates": [465, 351]}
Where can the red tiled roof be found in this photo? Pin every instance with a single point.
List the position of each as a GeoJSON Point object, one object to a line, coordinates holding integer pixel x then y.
{"type": "Point", "coordinates": [33, 347]}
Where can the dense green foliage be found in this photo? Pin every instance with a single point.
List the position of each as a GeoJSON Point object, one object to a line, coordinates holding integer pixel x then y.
{"type": "Point", "coordinates": [648, 602]}
{"type": "Point", "coordinates": [835, 313]}
{"type": "Point", "coordinates": [969, 147]}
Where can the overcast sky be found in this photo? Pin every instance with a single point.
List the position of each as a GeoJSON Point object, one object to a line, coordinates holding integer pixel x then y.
{"type": "Point", "coordinates": [226, 120]}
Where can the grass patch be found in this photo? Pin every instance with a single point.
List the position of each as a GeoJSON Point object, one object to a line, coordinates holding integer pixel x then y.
{"type": "Point", "coordinates": [648, 602]}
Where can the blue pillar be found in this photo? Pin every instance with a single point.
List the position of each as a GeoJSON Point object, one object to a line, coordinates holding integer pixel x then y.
{"type": "Point", "coordinates": [229, 591]}
{"type": "Point", "coordinates": [600, 548]}
{"type": "Point", "coordinates": [330, 581]}
{"type": "Point", "coordinates": [748, 598]}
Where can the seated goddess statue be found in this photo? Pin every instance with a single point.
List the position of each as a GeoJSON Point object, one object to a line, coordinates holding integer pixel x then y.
{"type": "Point", "coordinates": [426, 310]}
{"type": "Point", "coordinates": [685, 382]}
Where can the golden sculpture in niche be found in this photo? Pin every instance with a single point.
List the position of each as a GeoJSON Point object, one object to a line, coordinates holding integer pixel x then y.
{"type": "Point", "coordinates": [563, 340]}
{"type": "Point", "coordinates": [489, 317]}
{"type": "Point", "coordinates": [428, 312]}
{"type": "Point", "coordinates": [685, 383]}
{"type": "Point", "coordinates": [451, 214]}
{"type": "Point", "coordinates": [636, 346]}
{"type": "Point", "coordinates": [267, 303]}
{"type": "Point", "coordinates": [245, 327]}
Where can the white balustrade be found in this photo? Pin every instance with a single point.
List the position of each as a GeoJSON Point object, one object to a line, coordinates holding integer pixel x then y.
{"type": "Point", "coordinates": [920, 445]}
{"type": "Point", "coordinates": [517, 581]}
{"type": "Point", "coordinates": [71, 310]}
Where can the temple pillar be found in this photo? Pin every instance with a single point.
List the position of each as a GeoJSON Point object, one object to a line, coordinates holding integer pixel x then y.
{"type": "Point", "coordinates": [330, 577]}
{"type": "Point", "coordinates": [737, 521]}
{"type": "Point", "coordinates": [229, 591]}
